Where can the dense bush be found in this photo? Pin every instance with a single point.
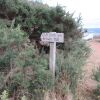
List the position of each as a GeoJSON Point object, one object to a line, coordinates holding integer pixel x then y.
{"type": "Point", "coordinates": [36, 18]}
{"type": "Point", "coordinates": [23, 71]}
{"type": "Point", "coordinates": [97, 75]}
{"type": "Point", "coordinates": [4, 95]}
{"type": "Point", "coordinates": [69, 67]}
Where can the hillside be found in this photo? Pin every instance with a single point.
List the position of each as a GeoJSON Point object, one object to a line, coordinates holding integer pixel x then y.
{"type": "Point", "coordinates": [24, 71]}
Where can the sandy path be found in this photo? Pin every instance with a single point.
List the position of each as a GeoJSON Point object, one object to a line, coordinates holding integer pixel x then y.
{"type": "Point", "coordinates": [94, 59]}
{"type": "Point", "coordinates": [93, 62]}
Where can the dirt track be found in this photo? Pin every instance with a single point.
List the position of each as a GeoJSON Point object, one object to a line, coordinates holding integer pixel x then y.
{"type": "Point", "coordinates": [94, 59]}
{"type": "Point", "coordinates": [93, 62]}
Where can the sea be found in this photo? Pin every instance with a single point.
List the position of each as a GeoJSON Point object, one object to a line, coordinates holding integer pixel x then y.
{"type": "Point", "coordinates": [95, 31]}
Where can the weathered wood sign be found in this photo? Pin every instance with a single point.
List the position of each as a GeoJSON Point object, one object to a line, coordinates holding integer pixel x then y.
{"type": "Point", "coordinates": [52, 38]}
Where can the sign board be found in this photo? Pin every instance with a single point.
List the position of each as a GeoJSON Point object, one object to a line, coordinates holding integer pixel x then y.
{"type": "Point", "coordinates": [52, 37]}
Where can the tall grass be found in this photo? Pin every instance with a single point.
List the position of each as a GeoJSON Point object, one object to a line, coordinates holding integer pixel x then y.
{"type": "Point", "coordinates": [69, 67]}
{"type": "Point", "coordinates": [96, 92]}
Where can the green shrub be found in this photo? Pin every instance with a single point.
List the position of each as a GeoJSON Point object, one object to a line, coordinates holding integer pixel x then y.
{"type": "Point", "coordinates": [24, 98]}
{"type": "Point", "coordinates": [27, 72]}
{"type": "Point", "coordinates": [4, 95]}
{"type": "Point", "coordinates": [69, 66]}
{"type": "Point", "coordinates": [36, 18]}
{"type": "Point", "coordinates": [22, 68]}
{"type": "Point", "coordinates": [97, 75]}
{"type": "Point", "coordinates": [96, 92]}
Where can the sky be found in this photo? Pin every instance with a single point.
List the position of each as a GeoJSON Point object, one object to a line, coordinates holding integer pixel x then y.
{"type": "Point", "coordinates": [89, 10]}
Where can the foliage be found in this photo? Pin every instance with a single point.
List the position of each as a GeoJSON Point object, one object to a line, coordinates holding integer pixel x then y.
{"type": "Point", "coordinates": [97, 75]}
{"type": "Point", "coordinates": [96, 92]}
{"type": "Point", "coordinates": [4, 95]}
{"type": "Point", "coordinates": [22, 68]}
{"type": "Point", "coordinates": [36, 18]}
{"type": "Point", "coordinates": [69, 67]}
{"type": "Point", "coordinates": [25, 72]}
{"type": "Point", "coordinates": [24, 98]}
{"type": "Point", "coordinates": [9, 38]}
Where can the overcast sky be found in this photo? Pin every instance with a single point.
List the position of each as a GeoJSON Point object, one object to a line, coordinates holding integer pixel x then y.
{"type": "Point", "coordinates": [89, 10]}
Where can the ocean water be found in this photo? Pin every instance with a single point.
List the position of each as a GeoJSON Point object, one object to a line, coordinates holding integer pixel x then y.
{"type": "Point", "coordinates": [96, 31]}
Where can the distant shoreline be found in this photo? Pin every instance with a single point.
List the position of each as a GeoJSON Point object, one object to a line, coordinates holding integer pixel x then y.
{"type": "Point", "coordinates": [93, 30]}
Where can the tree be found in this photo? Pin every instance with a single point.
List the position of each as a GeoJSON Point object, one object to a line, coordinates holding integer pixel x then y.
{"type": "Point", "coordinates": [35, 18]}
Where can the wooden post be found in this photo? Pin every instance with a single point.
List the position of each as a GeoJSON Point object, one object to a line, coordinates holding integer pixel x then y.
{"type": "Point", "coordinates": [52, 58]}
{"type": "Point", "coordinates": [52, 38]}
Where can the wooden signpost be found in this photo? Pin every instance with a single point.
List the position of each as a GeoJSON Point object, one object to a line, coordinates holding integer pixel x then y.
{"type": "Point", "coordinates": [52, 38]}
